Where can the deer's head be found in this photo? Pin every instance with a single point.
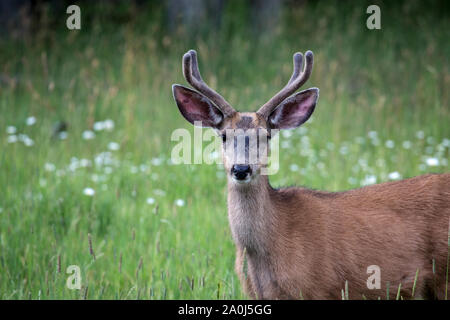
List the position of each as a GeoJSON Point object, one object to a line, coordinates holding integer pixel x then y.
{"type": "Point", "coordinates": [245, 135]}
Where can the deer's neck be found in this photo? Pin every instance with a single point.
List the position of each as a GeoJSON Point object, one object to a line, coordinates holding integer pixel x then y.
{"type": "Point", "coordinates": [252, 216]}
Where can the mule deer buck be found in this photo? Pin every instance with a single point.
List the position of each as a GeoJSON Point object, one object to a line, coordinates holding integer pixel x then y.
{"type": "Point", "coordinates": [296, 242]}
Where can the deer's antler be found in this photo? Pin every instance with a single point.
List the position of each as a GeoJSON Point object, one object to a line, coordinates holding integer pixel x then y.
{"type": "Point", "coordinates": [193, 77]}
{"type": "Point", "coordinates": [298, 78]}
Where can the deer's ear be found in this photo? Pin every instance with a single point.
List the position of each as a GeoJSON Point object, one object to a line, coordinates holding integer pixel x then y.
{"type": "Point", "coordinates": [196, 107]}
{"type": "Point", "coordinates": [295, 110]}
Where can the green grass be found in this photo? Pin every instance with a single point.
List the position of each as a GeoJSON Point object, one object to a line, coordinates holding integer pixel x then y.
{"type": "Point", "coordinates": [393, 82]}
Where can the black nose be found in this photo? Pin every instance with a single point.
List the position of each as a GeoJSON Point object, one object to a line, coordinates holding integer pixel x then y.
{"type": "Point", "coordinates": [241, 171]}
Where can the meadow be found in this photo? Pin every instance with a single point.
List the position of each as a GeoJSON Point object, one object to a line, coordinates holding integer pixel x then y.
{"type": "Point", "coordinates": [86, 120]}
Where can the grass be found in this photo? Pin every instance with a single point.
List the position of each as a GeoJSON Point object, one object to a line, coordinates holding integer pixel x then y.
{"type": "Point", "coordinates": [383, 113]}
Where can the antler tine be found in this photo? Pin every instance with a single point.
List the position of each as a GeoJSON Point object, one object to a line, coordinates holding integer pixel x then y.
{"type": "Point", "coordinates": [296, 81]}
{"type": "Point", "coordinates": [193, 77]}
{"type": "Point", "coordinates": [187, 67]}
{"type": "Point", "coordinates": [194, 64]}
{"type": "Point", "coordinates": [298, 64]}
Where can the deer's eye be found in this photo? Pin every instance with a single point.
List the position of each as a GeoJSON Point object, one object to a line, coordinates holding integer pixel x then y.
{"type": "Point", "coordinates": [224, 137]}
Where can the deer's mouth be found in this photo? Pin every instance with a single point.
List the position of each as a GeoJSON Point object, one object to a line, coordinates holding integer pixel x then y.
{"type": "Point", "coordinates": [242, 181]}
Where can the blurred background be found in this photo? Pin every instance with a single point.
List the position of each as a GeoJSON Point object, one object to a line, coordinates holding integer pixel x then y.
{"type": "Point", "coordinates": [87, 116]}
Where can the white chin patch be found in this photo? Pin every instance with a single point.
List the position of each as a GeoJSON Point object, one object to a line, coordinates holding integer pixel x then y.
{"type": "Point", "coordinates": [245, 181]}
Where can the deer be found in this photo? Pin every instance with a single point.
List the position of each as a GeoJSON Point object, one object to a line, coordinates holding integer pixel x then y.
{"type": "Point", "coordinates": [300, 243]}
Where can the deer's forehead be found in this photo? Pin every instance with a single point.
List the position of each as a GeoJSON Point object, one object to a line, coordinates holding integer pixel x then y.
{"type": "Point", "coordinates": [247, 120]}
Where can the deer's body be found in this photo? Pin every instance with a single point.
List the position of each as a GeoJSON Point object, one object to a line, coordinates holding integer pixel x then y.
{"type": "Point", "coordinates": [298, 243]}
{"type": "Point", "coordinates": [306, 243]}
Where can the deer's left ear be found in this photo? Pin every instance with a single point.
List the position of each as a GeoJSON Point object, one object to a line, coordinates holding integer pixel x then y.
{"type": "Point", "coordinates": [295, 110]}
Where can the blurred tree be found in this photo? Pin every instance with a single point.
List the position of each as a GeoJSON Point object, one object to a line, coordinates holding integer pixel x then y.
{"type": "Point", "coordinates": [13, 15]}
{"type": "Point", "coordinates": [201, 15]}
{"type": "Point", "coordinates": [194, 15]}
{"type": "Point", "coordinates": [265, 15]}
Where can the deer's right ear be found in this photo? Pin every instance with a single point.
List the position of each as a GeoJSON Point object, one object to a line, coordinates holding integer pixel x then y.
{"type": "Point", "coordinates": [196, 107]}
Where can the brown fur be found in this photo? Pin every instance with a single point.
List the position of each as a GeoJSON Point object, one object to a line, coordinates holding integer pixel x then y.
{"type": "Point", "coordinates": [302, 243]}
{"type": "Point", "coordinates": [305, 243]}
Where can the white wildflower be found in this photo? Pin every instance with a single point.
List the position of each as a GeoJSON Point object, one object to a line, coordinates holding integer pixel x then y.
{"type": "Point", "coordinates": [363, 163]}
{"type": "Point", "coordinates": [104, 158]}
{"type": "Point", "coordinates": [30, 121]}
{"type": "Point", "coordinates": [11, 130]}
{"type": "Point", "coordinates": [88, 135]}
{"type": "Point", "coordinates": [372, 134]}
{"type": "Point", "coordinates": [49, 166]}
{"type": "Point", "coordinates": [62, 135]}
{"type": "Point", "coordinates": [74, 164]}
{"type": "Point", "coordinates": [394, 175]}
{"type": "Point", "coordinates": [85, 163]}
{"type": "Point", "coordinates": [28, 142]}
{"type": "Point", "coordinates": [390, 144]}
{"type": "Point", "coordinates": [432, 162]}
{"type": "Point", "coordinates": [113, 146]}
{"type": "Point", "coordinates": [12, 139]}
{"type": "Point", "coordinates": [156, 161]}
{"type": "Point", "coordinates": [150, 200]}
{"type": "Point", "coordinates": [407, 144]}
{"type": "Point", "coordinates": [89, 192]}
{"type": "Point", "coordinates": [446, 142]}
{"type": "Point", "coordinates": [369, 179]}
{"type": "Point", "coordinates": [98, 126]}
{"type": "Point", "coordinates": [179, 202]}
{"type": "Point", "coordinates": [108, 124]}
{"type": "Point", "coordinates": [343, 150]}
